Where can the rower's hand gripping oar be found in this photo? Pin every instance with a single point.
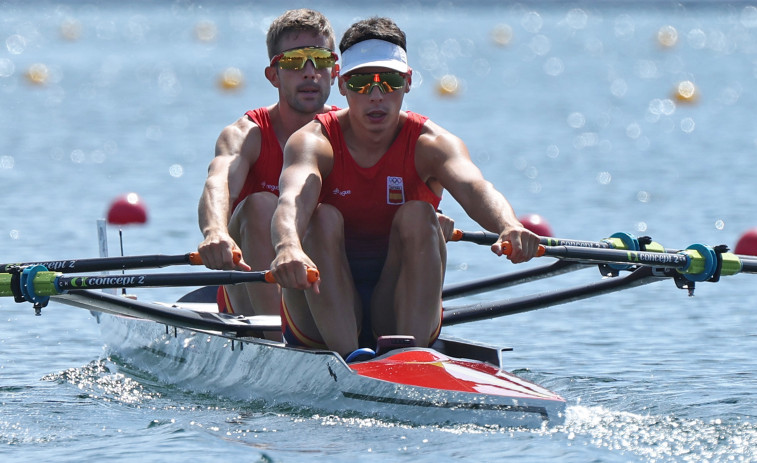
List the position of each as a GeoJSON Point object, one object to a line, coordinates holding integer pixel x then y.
{"type": "Point", "coordinates": [36, 284]}
{"type": "Point", "coordinates": [102, 264]}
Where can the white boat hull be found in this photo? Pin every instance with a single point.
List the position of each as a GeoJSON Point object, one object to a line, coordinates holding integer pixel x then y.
{"type": "Point", "coordinates": [252, 369]}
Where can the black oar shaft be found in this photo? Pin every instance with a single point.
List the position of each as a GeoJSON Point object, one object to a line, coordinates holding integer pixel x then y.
{"type": "Point", "coordinates": [559, 267]}
{"type": "Point", "coordinates": [157, 280]}
{"type": "Point", "coordinates": [657, 259]}
{"type": "Point", "coordinates": [488, 238]}
{"type": "Point", "coordinates": [487, 310]}
{"type": "Point", "coordinates": [102, 264]}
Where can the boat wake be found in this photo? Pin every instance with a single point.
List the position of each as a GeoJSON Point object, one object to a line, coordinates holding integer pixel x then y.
{"type": "Point", "coordinates": [661, 438]}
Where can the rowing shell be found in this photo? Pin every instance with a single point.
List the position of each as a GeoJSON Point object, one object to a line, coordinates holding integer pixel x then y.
{"type": "Point", "coordinates": [454, 382]}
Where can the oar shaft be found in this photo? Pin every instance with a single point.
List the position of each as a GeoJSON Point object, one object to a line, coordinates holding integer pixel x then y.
{"type": "Point", "coordinates": [106, 263]}
{"type": "Point", "coordinates": [64, 284]}
{"type": "Point", "coordinates": [102, 264]}
{"type": "Point", "coordinates": [36, 283]}
{"type": "Point", "coordinates": [488, 238]}
{"type": "Point", "coordinates": [559, 267]}
{"type": "Point", "coordinates": [656, 259]}
{"type": "Point", "coordinates": [487, 310]}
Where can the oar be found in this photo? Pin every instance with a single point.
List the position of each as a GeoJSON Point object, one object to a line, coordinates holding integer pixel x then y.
{"type": "Point", "coordinates": [102, 264]}
{"type": "Point", "coordinates": [452, 291]}
{"type": "Point", "coordinates": [487, 310]}
{"type": "Point", "coordinates": [616, 241]}
{"type": "Point", "coordinates": [559, 267]}
{"type": "Point", "coordinates": [36, 284]}
{"type": "Point", "coordinates": [697, 262]}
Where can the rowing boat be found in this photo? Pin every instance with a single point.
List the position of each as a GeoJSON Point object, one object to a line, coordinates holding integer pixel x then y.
{"type": "Point", "coordinates": [192, 345]}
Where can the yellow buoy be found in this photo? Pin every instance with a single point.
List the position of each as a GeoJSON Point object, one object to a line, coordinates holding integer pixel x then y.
{"type": "Point", "coordinates": [667, 36]}
{"type": "Point", "coordinates": [448, 85]}
{"type": "Point", "coordinates": [37, 74]}
{"type": "Point", "coordinates": [231, 79]}
{"type": "Point", "coordinates": [686, 91]}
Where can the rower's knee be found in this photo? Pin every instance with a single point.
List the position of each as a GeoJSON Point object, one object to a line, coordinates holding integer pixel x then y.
{"type": "Point", "coordinates": [416, 221]}
{"type": "Point", "coordinates": [253, 215]}
{"type": "Point", "coordinates": [326, 228]}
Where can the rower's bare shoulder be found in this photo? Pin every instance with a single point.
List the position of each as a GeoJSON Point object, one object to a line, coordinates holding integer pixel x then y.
{"type": "Point", "coordinates": [436, 141]}
{"type": "Point", "coordinates": [312, 136]}
{"type": "Point", "coordinates": [240, 138]}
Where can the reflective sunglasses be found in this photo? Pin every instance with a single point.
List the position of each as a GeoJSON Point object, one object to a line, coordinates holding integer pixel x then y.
{"type": "Point", "coordinates": [295, 59]}
{"type": "Point", "coordinates": [387, 82]}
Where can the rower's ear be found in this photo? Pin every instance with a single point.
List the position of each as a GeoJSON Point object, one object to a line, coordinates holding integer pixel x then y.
{"type": "Point", "coordinates": [334, 72]}
{"type": "Point", "coordinates": [409, 77]}
{"type": "Point", "coordinates": [272, 75]}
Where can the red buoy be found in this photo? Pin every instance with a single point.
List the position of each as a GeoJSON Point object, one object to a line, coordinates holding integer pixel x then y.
{"type": "Point", "coordinates": [536, 224]}
{"type": "Point", "coordinates": [747, 243]}
{"type": "Point", "coordinates": [127, 209]}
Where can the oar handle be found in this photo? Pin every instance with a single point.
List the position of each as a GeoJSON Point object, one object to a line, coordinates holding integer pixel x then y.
{"type": "Point", "coordinates": [195, 259]}
{"type": "Point", "coordinates": [507, 249]}
{"type": "Point", "coordinates": [313, 276]}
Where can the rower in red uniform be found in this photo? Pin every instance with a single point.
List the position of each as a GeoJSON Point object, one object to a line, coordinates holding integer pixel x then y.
{"type": "Point", "coordinates": [358, 199]}
{"type": "Point", "coordinates": [241, 189]}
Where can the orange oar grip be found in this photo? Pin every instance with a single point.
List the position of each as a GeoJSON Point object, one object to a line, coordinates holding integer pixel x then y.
{"type": "Point", "coordinates": [195, 259]}
{"type": "Point", "coordinates": [456, 235]}
{"type": "Point", "coordinates": [507, 249]}
{"type": "Point", "coordinates": [313, 276]}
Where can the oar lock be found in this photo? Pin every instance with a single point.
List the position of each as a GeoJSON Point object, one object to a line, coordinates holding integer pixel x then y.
{"type": "Point", "coordinates": [704, 263]}
{"type": "Point", "coordinates": [25, 285]}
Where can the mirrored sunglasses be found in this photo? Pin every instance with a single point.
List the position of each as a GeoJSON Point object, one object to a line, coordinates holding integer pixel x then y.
{"type": "Point", "coordinates": [387, 82]}
{"type": "Point", "coordinates": [295, 59]}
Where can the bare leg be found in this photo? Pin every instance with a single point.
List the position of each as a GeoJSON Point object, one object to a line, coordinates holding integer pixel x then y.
{"type": "Point", "coordinates": [334, 315]}
{"type": "Point", "coordinates": [407, 298]}
{"type": "Point", "coordinates": [250, 226]}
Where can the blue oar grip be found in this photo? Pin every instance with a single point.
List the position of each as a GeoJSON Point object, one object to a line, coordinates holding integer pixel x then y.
{"type": "Point", "coordinates": [27, 285]}
{"type": "Point", "coordinates": [702, 267]}
{"type": "Point", "coordinates": [630, 243]}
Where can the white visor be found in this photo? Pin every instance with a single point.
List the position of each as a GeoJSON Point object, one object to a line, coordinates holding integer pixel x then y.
{"type": "Point", "coordinates": [374, 53]}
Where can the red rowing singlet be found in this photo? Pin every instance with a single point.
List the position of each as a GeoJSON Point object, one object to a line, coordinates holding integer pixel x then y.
{"type": "Point", "coordinates": [369, 197]}
{"type": "Point", "coordinates": [264, 174]}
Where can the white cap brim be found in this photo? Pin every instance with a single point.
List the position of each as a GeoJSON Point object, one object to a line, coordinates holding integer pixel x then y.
{"type": "Point", "coordinates": [374, 53]}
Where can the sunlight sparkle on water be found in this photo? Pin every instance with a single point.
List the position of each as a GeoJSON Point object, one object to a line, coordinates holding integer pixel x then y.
{"type": "Point", "coordinates": [662, 437]}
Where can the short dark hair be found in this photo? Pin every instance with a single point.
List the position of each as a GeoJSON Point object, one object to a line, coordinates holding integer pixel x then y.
{"type": "Point", "coordinates": [373, 28]}
{"type": "Point", "coordinates": [301, 20]}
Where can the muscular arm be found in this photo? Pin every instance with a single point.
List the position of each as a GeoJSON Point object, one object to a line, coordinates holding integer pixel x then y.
{"type": "Point", "coordinates": [237, 149]}
{"type": "Point", "coordinates": [443, 158]}
{"type": "Point", "coordinates": [306, 156]}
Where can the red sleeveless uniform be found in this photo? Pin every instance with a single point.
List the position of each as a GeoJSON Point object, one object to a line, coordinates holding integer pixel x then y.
{"type": "Point", "coordinates": [368, 197]}
{"type": "Point", "coordinates": [264, 174]}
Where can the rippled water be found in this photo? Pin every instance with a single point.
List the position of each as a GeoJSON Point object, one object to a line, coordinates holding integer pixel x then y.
{"type": "Point", "coordinates": [569, 108]}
